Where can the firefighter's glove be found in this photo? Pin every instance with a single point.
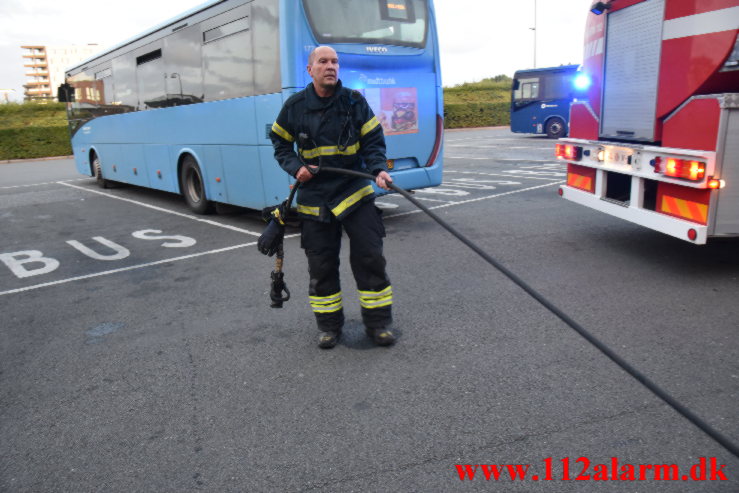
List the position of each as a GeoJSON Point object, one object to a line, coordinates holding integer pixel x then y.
{"type": "Point", "coordinates": [276, 213]}
{"type": "Point", "coordinates": [271, 238]}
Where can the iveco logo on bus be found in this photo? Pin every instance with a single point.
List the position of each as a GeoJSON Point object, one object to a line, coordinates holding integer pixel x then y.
{"type": "Point", "coordinates": [376, 49]}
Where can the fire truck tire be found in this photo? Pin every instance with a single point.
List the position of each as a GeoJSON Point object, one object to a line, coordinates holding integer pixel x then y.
{"type": "Point", "coordinates": [556, 128]}
{"type": "Point", "coordinates": [97, 171]}
{"type": "Point", "coordinates": [192, 186]}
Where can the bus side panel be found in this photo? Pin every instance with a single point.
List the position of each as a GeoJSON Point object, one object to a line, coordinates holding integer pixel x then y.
{"type": "Point", "coordinates": [119, 160]}
{"type": "Point", "coordinates": [267, 109]}
{"type": "Point", "coordinates": [243, 176]}
{"type": "Point", "coordinates": [523, 120]}
{"type": "Point", "coordinates": [276, 181]}
{"type": "Point", "coordinates": [162, 175]}
{"type": "Point", "coordinates": [213, 172]}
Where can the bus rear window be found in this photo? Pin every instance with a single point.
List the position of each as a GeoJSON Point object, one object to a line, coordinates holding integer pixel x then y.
{"type": "Point", "coordinates": [391, 22]}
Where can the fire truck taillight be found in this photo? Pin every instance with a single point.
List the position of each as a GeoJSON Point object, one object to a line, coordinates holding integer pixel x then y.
{"type": "Point", "coordinates": [715, 183]}
{"type": "Point", "coordinates": [568, 152]}
{"type": "Point", "coordinates": [680, 168]}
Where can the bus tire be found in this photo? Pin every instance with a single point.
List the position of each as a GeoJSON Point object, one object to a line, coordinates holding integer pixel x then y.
{"type": "Point", "coordinates": [97, 171]}
{"type": "Point", "coordinates": [556, 128]}
{"type": "Point", "coordinates": [193, 187]}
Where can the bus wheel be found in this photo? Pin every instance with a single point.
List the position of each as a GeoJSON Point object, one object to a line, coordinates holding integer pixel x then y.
{"type": "Point", "coordinates": [97, 171]}
{"type": "Point", "coordinates": [193, 187]}
{"type": "Point", "coordinates": [556, 128]}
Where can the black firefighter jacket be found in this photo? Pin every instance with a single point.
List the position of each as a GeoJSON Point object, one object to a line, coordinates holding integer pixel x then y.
{"type": "Point", "coordinates": [344, 133]}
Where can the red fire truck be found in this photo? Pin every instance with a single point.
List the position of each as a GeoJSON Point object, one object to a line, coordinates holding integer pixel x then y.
{"type": "Point", "coordinates": [655, 139]}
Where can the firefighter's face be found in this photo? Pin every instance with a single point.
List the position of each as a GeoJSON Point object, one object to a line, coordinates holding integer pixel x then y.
{"type": "Point", "coordinates": [323, 67]}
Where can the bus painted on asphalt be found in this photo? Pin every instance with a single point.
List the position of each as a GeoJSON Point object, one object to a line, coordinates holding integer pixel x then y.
{"type": "Point", "coordinates": [186, 107]}
{"type": "Point", "coordinates": [540, 100]}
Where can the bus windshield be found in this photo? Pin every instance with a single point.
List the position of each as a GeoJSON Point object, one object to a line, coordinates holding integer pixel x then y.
{"type": "Point", "coordinates": [391, 22]}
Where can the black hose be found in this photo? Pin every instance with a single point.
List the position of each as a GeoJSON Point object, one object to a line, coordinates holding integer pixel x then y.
{"type": "Point", "coordinates": [723, 440]}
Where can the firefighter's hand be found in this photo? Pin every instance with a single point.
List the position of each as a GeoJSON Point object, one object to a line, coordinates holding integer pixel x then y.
{"type": "Point", "coordinates": [382, 179]}
{"type": "Point", "coordinates": [304, 175]}
{"type": "Point", "coordinates": [271, 238]}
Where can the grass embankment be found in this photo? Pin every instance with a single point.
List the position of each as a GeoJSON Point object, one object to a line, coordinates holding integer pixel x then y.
{"type": "Point", "coordinates": [33, 130]}
{"type": "Point", "coordinates": [478, 104]}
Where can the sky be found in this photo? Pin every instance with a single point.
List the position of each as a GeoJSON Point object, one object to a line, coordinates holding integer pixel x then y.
{"type": "Point", "coordinates": [477, 38]}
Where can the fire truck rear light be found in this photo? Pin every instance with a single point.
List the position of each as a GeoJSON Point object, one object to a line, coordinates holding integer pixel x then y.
{"type": "Point", "coordinates": [568, 152]}
{"type": "Point", "coordinates": [692, 234]}
{"type": "Point", "coordinates": [680, 168]}
{"type": "Point", "coordinates": [561, 192]}
{"type": "Point", "coordinates": [601, 155]}
{"type": "Point", "coordinates": [715, 183]}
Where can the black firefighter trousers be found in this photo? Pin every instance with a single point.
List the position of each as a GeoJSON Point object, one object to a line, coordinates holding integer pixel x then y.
{"type": "Point", "coordinates": [322, 244]}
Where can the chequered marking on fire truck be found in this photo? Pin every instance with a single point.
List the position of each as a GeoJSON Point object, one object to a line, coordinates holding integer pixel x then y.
{"type": "Point", "coordinates": [685, 208]}
{"type": "Point", "coordinates": [581, 182]}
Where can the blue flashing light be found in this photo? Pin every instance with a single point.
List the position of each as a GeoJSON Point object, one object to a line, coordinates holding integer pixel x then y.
{"type": "Point", "coordinates": [582, 81]}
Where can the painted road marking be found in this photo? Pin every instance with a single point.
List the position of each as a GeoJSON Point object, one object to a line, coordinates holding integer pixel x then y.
{"type": "Point", "coordinates": [168, 211]}
{"type": "Point", "coordinates": [491, 158]}
{"type": "Point", "coordinates": [509, 175]}
{"type": "Point", "coordinates": [133, 267]}
{"type": "Point", "coordinates": [503, 194]}
{"type": "Point", "coordinates": [226, 249]}
{"type": "Point", "coordinates": [41, 184]}
{"type": "Point", "coordinates": [124, 269]}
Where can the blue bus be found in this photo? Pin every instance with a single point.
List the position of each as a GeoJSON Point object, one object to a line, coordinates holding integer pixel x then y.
{"type": "Point", "coordinates": [540, 100]}
{"type": "Point", "coordinates": [186, 107]}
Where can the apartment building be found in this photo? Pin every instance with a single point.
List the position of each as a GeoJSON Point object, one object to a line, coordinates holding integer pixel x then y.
{"type": "Point", "coordinates": [46, 65]}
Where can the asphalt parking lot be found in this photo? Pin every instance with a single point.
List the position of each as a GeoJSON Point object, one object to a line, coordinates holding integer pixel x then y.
{"type": "Point", "coordinates": [139, 351]}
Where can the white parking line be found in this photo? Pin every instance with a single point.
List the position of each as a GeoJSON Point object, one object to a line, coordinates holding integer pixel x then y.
{"type": "Point", "coordinates": [40, 184]}
{"type": "Point", "coordinates": [168, 211]}
{"type": "Point", "coordinates": [499, 159]}
{"type": "Point", "coordinates": [512, 174]}
{"type": "Point", "coordinates": [476, 199]}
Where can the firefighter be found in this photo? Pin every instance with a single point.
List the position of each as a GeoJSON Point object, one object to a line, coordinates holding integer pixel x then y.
{"type": "Point", "coordinates": [336, 125]}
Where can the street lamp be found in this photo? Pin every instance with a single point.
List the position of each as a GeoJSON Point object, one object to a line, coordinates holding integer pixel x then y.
{"type": "Point", "coordinates": [534, 29]}
{"type": "Point", "coordinates": [179, 79]}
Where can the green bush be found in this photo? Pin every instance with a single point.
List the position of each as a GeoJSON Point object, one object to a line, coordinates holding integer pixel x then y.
{"type": "Point", "coordinates": [33, 130]}
{"type": "Point", "coordinates": [465, 115]}
{"type": "Point", "coordinates": [34, 142]}
{"type": "Point", "coordinates": [478, 104]}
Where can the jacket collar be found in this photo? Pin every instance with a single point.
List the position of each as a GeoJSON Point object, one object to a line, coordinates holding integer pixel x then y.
{"type": "Point", "coordinates": [317, 103]}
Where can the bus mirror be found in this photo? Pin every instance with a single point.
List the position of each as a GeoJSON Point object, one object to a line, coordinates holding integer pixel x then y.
{"type": "Point", "coordinates": [516, 84]}
{"type": "Point", "coordinates": [65, 93]}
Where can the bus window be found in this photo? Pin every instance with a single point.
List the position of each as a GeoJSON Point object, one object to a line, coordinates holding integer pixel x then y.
{"type": "Point", "coordinates": [400, 22]}
{"type": "Point", "coordinates": [124, 67]}
{"type": "Point", "coordinates": [149, 78]}
{"type": "Point", "coordinates": [527, 89]}
{"type": "Point", "coordinates": [556, 86]}
{"type": "Point", "coordinates": [227, 56]}
{"type": "Point", "coordinates": [183, 72]}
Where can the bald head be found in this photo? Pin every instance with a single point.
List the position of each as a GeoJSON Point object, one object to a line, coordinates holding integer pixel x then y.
{"type": "Point", "coordinates": [321, 49]}
{"type": "Point", "coordinates": [323, 67]}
